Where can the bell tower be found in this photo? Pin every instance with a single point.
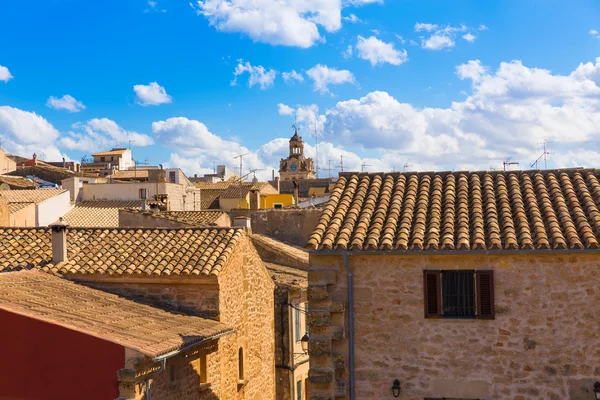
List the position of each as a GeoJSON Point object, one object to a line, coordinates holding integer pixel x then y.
{"type": "Point", "coordinates": [296, 166]}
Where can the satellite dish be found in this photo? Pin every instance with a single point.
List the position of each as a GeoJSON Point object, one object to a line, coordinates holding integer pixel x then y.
{"type": "Point", "coordinates": [4, 186]}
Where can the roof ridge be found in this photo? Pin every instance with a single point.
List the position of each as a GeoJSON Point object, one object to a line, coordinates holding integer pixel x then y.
{"type": "Point", "coordinates": [544, 172]}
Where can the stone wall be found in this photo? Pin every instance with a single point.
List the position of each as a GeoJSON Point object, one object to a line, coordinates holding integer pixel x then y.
{"type": "Point", "coordinates": [292, 226]}
{"type": "Point", "coordinates": [194, 296]}
{"type": "Point", "coordinates": [274, 251]}
{"type": "Point", "coordinates": [247, 304]}
{"type": "Point", "coordinates": [543, 343]}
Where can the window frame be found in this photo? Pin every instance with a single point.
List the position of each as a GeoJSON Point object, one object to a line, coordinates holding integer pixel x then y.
{"type": "Point", "coordinates": [483, 294]}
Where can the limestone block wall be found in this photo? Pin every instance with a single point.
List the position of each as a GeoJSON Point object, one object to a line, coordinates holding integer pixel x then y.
{"type": "Point", "coordinates": [544, 342]}
{"type": "Point", "coordinates": [247, 303]}
{"type": "Point", "coordinates": [191, 296]}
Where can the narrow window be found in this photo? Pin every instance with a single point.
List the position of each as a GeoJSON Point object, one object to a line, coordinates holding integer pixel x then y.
{"type": "Point", "coordinates": [172, 176]}
{"type": "Point", "coordinates": [458, 294]}
{"type": "Point", "coordinates": [297, 323]}
{"type": "Point", "coordinates": [241, 364]}
{"type": "Point", "coordinates": [101, 159]}
{"type": "Point", "coordinates": [143, 194]}
{"type": "Point", "coordinates": [299, 390]}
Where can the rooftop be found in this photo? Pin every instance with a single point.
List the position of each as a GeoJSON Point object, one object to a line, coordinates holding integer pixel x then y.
{"type": "Point", "coordinates": [287, 276]}
{"type": "Point", "coordinates": [30, 196]}
{"type": "Point", "coordinates": [149, 330]}
{"type": "Point", "coordinates": [98, 213]}
{"type": "Point", "coordinates": [121, 251]}
{"type": "Point", "coordinates": [193, 218]}
{"type": "Point", "coordinates": [129, 174]}
{"type": "Point", "coordinates": [113, 152]}
{"type": "Point", "coordinates": [487, 210]}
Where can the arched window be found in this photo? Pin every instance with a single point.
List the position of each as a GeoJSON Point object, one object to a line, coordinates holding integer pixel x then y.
{"type": "Point", "coordinates": [241, 364]}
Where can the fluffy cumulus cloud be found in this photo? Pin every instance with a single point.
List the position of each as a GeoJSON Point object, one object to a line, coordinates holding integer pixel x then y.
{"type": "Point", "coordinates": [352, 18]}
{"type": "Point", "coordinates": [443, 37]}
{"type": "Point", "coordinates": [25, 133]}
{"type": "Point", "coordinates": [259, 75]}
{"type": "Point", "coordinates": [509, 112]}
{"type": "Point", "coordinates": [592, 32]}
{"type": "Point", "coordinates": [287, 22]}
{"type": "Point", "coordinates": [153, 7]}
{"type": "Point", "coordinates": [151, 94]}
{"type": "Point", "coordinates": [378, 52]}
{"type": "Point", "coordinates": [323, 77]}
{"type": "Point", "coordinates": [292, 76]}
{"type": "Point", "coordinates": [5, 74]}
{"type": "Point", "coordinates": [101, 133]}
{"type": "Point", "coordinates": [67, 102]}
{"type": "Point", "coordinates": [284, 109]}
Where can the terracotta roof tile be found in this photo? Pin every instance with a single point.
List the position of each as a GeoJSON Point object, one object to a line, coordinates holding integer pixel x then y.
{"type": "Point", "coordinates": [129, 174]}
{"type": "Point", "coordinates": [98, 213]}
{"type": "Point", "coordinates": [30, 196]}
{"type": "Point", "coordinates": [14, 207]}
{"type": "Point", "coordinates": [287, 276]}
{"type": "Point", "coordinates": [213, 185]}
{"type": "Point", "coordinates": [123, 251]}
{"type": "Point", "coordinates": [209, 199]}
{"type": "Point", "coordinates": [149, 330]}
{"type": "Point", "coordinates": [430, 211]}
{"type": "Point", "coordinates": [192, 218]}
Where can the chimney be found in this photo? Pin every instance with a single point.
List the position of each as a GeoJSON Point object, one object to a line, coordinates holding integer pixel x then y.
{"type": "Point", "coordinates": [243, 222]}
{"type": "Point", "coordinates": [59, 241]}
{"type": "Point", "coordinates": [64, 163]}
{"type": "Point", "coordinates": [277, 184]}
{"type": "Point", "coordinates": [34, 158]}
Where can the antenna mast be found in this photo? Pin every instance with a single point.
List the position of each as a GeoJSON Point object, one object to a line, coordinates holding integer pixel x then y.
{"type": "Point", "coordinates": [317, 151]}
{"type": "Point", "coordinates": [241, 157]}
{"type": "Point", "coordinates": [342, 163]}
{"type": "Point", "coordinates": [508, 163]}
{"type": "Point", "coordinates": [544, 156]}
{"type": "Point", "coordinates": [363, 165]}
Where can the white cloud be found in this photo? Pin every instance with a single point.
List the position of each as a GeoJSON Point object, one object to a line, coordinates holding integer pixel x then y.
{"type": "Point", "coordinates": [67, 102]}
{"type": "Point", "coordinates": [419, 27]}
{"type": "Point", "coordinates": [400, 38]}
{"type": "Point", "coordinates": [258, 75]}
{"type": "Point", "coordinates": [353, 19]}
{"type": "Point", "coordinates": [594, 33]}
{"type": "Point", "coordinates": [24, 133]}
{"type": "Point", "coordinates": [378, 52]}
{"type": "Point", "coordinates": [323, 77]}
{"type": "Point", "coordinates": [285, 22]}
{"type": "Point", "coordinates": [442, 37]}
{"type": "Point", "coordinates": [438, 42]}
{"type": "Point", "coordinates": [507, 114]}
{"type": "Point", "coordinates": [290, 77]}
{"type": "Point", "coordinates": [151, 94]}
{"type": "Point", "coordinates": [5, 75]}
{"type": "Point", "coordinates": [482, 27]}
{"type": "Point", "coordinates": [469, 37]}
{"type": "Point", "coordinates": [473, 70]}
{"type": "Point", "coordinates": [285, 109]}
{"type": "Point", "coordinates": [101, 133]}
{"type": "Point", "coordinates": [153, 7]}
{"type": "Point", "coordinates": [348, 52]}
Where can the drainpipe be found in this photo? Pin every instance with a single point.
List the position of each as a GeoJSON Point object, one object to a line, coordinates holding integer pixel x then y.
{"type": "Point", "coordinates": [350, 323]}
{"type": "Point", "coordinates": [163, 366]}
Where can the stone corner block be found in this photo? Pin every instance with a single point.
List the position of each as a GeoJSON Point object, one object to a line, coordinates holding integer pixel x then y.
{"type": "Point", "coordinates": [318, 292]}
{"type": "Point", "coordinates": [320, 375]}
{"type": "Point", "coordinates": [337, 307]}
{"type": "Point", "coordinates": [319, 346]}
{"type": "Point", "coordinates": [318, 318]}
{"type": "Point", "coordinates": [328, 277]}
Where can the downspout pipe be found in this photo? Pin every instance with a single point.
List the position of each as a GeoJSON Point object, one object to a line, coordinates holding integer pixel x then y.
{"type": "Point", "coordinates": [350, 322]}
{"type": "Point", "coordinates": [163, 366]}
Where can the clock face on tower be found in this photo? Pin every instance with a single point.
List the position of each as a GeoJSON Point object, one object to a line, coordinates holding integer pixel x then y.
{"type": "Point", "coordinates": [293, 166]}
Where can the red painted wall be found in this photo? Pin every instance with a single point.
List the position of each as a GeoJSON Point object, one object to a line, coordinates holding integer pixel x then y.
{"type": "Point", "coordinates": [41, 361]}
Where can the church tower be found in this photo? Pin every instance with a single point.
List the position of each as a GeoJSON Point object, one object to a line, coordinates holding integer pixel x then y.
{"type": "Point", "coordinates": [296, 166]}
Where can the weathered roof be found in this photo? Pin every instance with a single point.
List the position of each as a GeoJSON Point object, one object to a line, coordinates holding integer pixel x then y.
{"type": "Point", "coordinates": [113, 152]}
{"type": "Point", "coordinates": [213, 185]}
{"type": "Point", "coordinates": [17, 182]}
{"type": "Point", "coordinates": [237, 191]}
{"type": "Point", "coordinates": [557, 209]}
{"type": "Point", "coordinates": [149, 330]}
{"type": "Point", "coordinates": [272, 250]}
{"type": "Point", "coordinates": [287, 276]}
{"type": "Point", "coordinates": [98, 213]}
{"type": "Point", "coordinates": [123, 251]}
{"type": "Point", "coordinates": [194, 218]}
{"type": "Point", "coordinates": [30, 196]}
{"type": "Point", "coordinates": [14, 207]}
{"type": "Point", "coordinates": [209, 199]}
{"type": "Point", "coordinates": [129, 174]}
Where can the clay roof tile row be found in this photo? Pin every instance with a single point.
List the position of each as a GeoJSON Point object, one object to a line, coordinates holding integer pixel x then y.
{"type": "Point", "coordinates": [462, 211]}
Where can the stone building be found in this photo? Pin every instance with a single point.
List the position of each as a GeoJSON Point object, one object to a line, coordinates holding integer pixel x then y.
{"type": "Point", "coordinates": [210, 273]}
{"type": "Point", "coordinates": [457, 285]}
{"type": "Point", "coordinates": [296, 166]}
{"type": "Point", "coordinates": [288, 267]}
{"type": "Point", "coordinates": [7, 164]}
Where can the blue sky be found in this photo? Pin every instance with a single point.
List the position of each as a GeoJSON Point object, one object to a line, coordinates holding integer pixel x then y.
{"type": "Point", "coordinates": [529, 74]}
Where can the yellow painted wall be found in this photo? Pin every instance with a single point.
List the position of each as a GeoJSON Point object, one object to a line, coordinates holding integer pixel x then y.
{"type": "Point", "coordinates": [268, 200]}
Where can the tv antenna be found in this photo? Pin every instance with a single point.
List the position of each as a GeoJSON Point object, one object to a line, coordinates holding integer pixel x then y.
{"type": "Point", "coordinates": [241, 157]}
{"type": "Point", "coordinates": [342, 163]}
{"type": "Point", "coordinates": [543, 156]}
{"type": "Point", "coordinates": [130, 141]}
{"type": "Point", "coordinates": [363, 165]}
{"type": "Point", "coordinates": [329, 167]}
{"type": "Point", "coordinates": [316, 150]}
{"type": "Point", "coordinates": [507, 163]}
{"type": "Point", "coordinates": [406, 166]}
